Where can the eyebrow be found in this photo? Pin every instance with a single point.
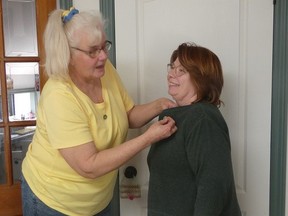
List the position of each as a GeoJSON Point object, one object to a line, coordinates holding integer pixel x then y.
{"type": "Point", "coordinates": [94, 47]}
{"type": "Point", "coordinates": [98, 46]}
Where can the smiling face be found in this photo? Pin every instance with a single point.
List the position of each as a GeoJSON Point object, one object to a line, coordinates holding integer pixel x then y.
{"type": "Point", "coordinates": [180, 85]}
{"type": "Point", "coordinates": [194, 75]}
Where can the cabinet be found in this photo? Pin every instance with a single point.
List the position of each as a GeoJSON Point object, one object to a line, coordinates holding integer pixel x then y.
{"type": "Point", "coordinates": [20, 140]}
{"type": "Point", "coordinates": [22, 23]}
{"type": "Point", "coordinates": [22, 104]}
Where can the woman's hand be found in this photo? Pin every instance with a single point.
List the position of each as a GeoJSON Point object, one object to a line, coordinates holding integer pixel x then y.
{"type": "Point", "coordinates": [161, 129]}
{"type": "Point", "coordinates": [166, 103]}
{"type": "Point", "coordinates": [140, 115]}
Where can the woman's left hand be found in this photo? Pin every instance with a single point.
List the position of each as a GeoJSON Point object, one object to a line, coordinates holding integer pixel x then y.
{"type": "Point", "coordinates": [166, 103]}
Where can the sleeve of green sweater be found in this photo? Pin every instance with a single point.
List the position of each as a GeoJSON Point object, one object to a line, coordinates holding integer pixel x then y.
{"type": "Point", "coordinates": [208, 152]}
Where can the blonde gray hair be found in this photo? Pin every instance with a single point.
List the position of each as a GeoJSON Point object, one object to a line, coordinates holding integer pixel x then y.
{"type": "Point", "coordinates": [59, 37]}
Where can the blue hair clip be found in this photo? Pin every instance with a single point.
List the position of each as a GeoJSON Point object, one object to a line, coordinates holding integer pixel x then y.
{"type": "Point", "coordinates": [68, 14]}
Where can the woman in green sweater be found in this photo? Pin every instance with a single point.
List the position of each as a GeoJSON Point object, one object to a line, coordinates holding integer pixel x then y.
{"type": "Point", "coordinates": [191, 172]}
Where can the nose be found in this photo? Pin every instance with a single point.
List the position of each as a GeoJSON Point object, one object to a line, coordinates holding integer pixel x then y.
{"type": "Point", "coordinates": [102, 55]}
{"type": "Point", "coordinates": [171, 73]}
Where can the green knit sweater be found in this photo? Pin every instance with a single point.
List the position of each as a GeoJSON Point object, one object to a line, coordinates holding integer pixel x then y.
{"type": "Point", "coordinates": [191, 172]}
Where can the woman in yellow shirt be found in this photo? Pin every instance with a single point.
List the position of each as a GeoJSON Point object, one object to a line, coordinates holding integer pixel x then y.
{"type": "Point", "coordinates": [83, 116]}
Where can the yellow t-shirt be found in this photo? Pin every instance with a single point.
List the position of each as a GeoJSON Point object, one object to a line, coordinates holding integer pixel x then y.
{"type": "Point", "coordinates": [66, 117]}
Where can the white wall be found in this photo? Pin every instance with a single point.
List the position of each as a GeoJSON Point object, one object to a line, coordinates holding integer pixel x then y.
{"type": "Point", "coordinates": [86, 4]}
{"type": "Point", "coordinates": [147, 31]}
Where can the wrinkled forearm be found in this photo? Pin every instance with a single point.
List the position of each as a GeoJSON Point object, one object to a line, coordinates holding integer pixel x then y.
{"type": "Point", "coordinates": [140, 115]}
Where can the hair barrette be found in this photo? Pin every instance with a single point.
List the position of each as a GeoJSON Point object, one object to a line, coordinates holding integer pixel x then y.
{"type": "Point", "coordinates": [68, 14]}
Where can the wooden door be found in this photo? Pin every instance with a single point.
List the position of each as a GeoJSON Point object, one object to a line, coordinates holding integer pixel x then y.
{"type": "Point", "coordinates": [16, 85]}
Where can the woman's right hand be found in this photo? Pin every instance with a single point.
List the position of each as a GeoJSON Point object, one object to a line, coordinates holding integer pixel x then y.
{"type": "Point", "coordinates": [161, 129]}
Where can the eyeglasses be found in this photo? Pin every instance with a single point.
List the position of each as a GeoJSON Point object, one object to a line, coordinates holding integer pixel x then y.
{"type": "Point", "coordinates": [93, 53]}
{"type": "Point", "coordinates": [177, 70]}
